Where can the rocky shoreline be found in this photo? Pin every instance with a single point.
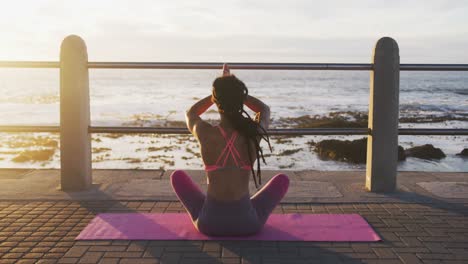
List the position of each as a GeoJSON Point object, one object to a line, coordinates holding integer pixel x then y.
{"type": "Point", "coordinates": [354, 119]}
{"type": "Point", "coordinates": [463, 153]}
{"type": "Point", "coordinates": [30, 148]}
{"type": "Point", "coordinates": [356, 151]}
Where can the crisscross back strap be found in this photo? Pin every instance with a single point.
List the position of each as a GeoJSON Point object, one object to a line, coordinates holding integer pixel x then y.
{"type": "Point", "coordinates": [229, 149]}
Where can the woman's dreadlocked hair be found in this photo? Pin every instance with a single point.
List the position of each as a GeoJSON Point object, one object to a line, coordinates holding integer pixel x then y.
{"type": "Point", "coordinates": [229, 94]}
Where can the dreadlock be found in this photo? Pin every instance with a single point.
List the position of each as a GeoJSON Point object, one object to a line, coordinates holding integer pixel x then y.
{"type": "Point", "coordinates": [229, 94]}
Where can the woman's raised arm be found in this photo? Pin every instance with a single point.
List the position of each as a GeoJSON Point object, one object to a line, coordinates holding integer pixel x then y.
{"type": "Point", "coordinates": [192, 116]}
{"type": "Point", "coordinates": [260, 108]}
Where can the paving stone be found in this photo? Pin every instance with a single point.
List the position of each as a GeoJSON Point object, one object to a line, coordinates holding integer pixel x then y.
{"type": "Point", "coordinates": [91, 257]}
{"type": "Point", "coordinates": [7, 261]}
{"type": "Point", "coordinates": [69, 260]}
{"type": "Point", "coordinates": [232, 260]}
{"type": "Point", "coordinates": [41, 249]}
{"type": "Point", "coordinates": [230, 252]}
{"type": "Point", "coordinates": [12, 255]}
{"type": "Point", "coordinates": [121, 242]}
{"type": "Point", "coordinates": [46, 261]}
{"type": "Point", "coordinates": [436, 247]}
{"type": "Point", "coordinates": [107, 248]}
{"type": "Point", "coordinates": [109, 261]}
{"type": "Point", "coordinates": [76, 251]}
{"type": "Point", "coordinates": [170, 257]}
{"type": "Point", "coordinates": [412, 241]}
{"type": "Point", "coordinates": [140, 261]}
{"type": "Point", "coordinates": [181, 249]}
{"type": "Point", "coordinates": [33, 255]}
{"type": "Point", "coordinates": [58, 250]}
{"type": "Point", "coordinates": [20, 249]}
{"type": "Point", "coordinates": [430, 256]}
{"type": "Point", "coordinates": [412, 250]}
{"type": "Point", "coordinates": [361, 247]}
{"type": "Point", "coordinates": [27, 261]}
{"type": "Point", "coordinates": [153, 252]}
{"type": "Point", "coordinates": [211, 246]}
{"type": "Point", "coordinates": [53, 255]}
{"type": "Point", "coordinates": [137, 246]}
{"type": "Point", "coordinates": [384, 253]}
{"type": "Point", "coordinates": [123, 254]}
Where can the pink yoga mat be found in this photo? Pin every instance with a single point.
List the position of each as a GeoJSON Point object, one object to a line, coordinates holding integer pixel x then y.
{"type": "Point", "coordinates": [279, 227]}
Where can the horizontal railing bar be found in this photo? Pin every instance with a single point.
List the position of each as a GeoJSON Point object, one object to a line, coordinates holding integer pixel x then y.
{"type": "Point", "coordinates": [275, 131]}
{"type": "Point", "coordinates": [239, 66]}
{"type": "Point", "coordinates": [433, 67]}
{"type": "Point", "coordinates": [286, 131]}
{"type": "Point", "coordinates": [173, 130]}
{"type": "Point", "coordinates": [11, 129]}
{"type": "Point", "coordinates": [234, 66]}
{"type": "Point", "coordinates": [29, 64]}
{"type": "Point", "coordinates": [433, 131]}
{"type": "Point", "coordinates": [140, 130]}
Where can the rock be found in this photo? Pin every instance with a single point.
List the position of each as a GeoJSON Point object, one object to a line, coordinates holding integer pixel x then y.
{"type": "Point", "coordinates": [351, 151]}
{"type": "Point", "coordinates": [425, 152]}
{"type": "Point", "coordinates": [432, 118]}
{"type": "Point", "coordinates": [34, 155]}
{"type": "Point", "coordinates": [463, 153]}
{"type": "Point", "coordinates": [401, 153]}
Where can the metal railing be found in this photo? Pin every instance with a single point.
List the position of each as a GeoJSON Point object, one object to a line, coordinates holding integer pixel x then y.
{"type": "Point", "coordinates": [236, 66]}
{"type": "Point", "coordinates": [273, 131]}
{"type": "Point", "coordinates": [75, 126]}
{"type": "Point", "coordinates": [239, 66]}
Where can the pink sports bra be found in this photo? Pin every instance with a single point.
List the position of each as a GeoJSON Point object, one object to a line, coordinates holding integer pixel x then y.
{"type": "Point", "coordinates": [228, 149]}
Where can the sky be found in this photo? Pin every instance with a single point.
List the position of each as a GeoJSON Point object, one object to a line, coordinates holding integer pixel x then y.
{"type": "Point", "coordinates": [331, 31]}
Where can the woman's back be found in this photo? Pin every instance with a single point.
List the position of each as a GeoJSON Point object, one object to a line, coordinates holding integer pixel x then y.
{"type": "Point", "coordinates": [228, 174]}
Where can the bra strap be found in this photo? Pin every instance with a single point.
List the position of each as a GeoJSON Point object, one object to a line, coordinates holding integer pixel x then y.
{"type": "Point", "coordinates": [229, 149]}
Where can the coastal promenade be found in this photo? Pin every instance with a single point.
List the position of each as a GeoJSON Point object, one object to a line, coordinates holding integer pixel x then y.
{"type": "Point", "coordinates": [424, 221]}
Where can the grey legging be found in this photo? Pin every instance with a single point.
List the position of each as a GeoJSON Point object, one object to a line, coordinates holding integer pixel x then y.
{"type": "Point", "coordinates": [234, 218]}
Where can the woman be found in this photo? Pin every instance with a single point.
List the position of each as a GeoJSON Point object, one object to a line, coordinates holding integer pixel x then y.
{"type": "Point", "coordinates": [228, 151]}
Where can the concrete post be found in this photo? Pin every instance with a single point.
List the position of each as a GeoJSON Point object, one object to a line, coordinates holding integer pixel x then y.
{"type": "Point", "coordinates": [75, 141]}
{"type": "Point", "coordinates": [382, 144]}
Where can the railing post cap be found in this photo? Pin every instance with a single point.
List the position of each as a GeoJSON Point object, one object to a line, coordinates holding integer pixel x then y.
{"type": "Point", "coordinates": [385, 43]}
{"type": "Point", "coordinates": [73, 41]}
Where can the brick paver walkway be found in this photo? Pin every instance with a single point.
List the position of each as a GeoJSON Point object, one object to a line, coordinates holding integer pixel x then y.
{"type": "Point", "coordinates": [44, 232]}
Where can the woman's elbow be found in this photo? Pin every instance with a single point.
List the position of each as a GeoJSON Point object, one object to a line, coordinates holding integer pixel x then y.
{"type": "Point", "coordinates": [189, 112]}
{"type": "Point", "coordinates": [266, 110]}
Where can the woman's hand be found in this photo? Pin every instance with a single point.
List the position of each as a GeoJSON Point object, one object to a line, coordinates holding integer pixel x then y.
{"type": "Point", "coordinates": [226, 70]}
{"type": "Point", "coordinates": [201, 106]}
{"type": "Point", "coordinates": [261, 109]}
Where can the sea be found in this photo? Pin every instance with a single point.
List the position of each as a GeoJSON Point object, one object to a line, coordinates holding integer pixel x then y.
{"type": "Point", "coordinates": [135, 97]}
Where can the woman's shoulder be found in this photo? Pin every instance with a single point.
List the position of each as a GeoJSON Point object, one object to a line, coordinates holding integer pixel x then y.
{"type": "Point", "coordinates": [205, 131]}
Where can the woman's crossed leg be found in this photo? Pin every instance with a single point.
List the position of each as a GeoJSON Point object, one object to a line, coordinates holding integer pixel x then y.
{"type": "Point", "coordinates": [264, 201]}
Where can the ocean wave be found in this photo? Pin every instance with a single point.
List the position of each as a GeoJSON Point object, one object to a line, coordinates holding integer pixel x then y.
{"type": "Point", "coordinates": [417, 108]}
{"type": "Point", "coordinates": [434, 90]}
{"type": "Point", "coordinates": [32, 99]}
{"type": "Point", "coordinates": [337, 119]}
{"type": "Point", "coordinates": [463, 91]}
